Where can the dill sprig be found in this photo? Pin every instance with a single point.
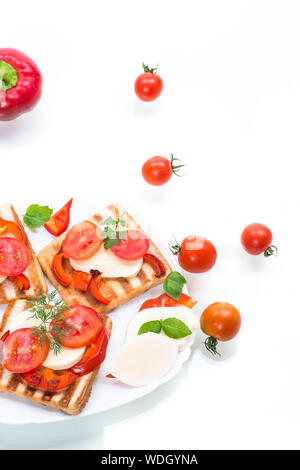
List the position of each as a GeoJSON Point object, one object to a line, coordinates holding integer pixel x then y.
{"type": "Point", "coordinates": [49, 309]}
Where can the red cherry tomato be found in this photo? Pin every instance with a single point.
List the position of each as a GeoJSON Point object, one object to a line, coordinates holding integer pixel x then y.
{"type": "Point", "coordinates": [134, 246]}
{"type": "Point", "coordinates": [59, 222]}
{"type": "Point", "coordinates": [22, 351]}
{"type": "Point", "coordinates": [148, 86]}
{"type": "Point", "coordinates": [14, 256]}
{"type": "Point", "coordinates": [257, 239]}
{"type": "Point", "coordinates": [82, 241]}
{"type": "Point", "coordinates": [195, 254]}
{"type": "Point", "coordinates": [158, 170]}
{"type": "Point", "coordinates": [221, 322]}
{"type": "Point", "coordinates": [85, 326]}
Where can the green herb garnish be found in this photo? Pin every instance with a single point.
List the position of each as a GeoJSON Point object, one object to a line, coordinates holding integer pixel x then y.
{"type": "Point", "coordinates": [113, 232]}
{"type": "Point", "coordinates": [49, 309]}
{"type": "Point", "coordinates": [36, 216]}
{"type": "Point", "coordinates": [173, 284]}
{"type": "Point", "coordinates": [172, 327]}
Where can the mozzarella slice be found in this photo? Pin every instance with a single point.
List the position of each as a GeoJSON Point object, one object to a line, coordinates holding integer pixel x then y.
{"type": "Point", "coordinates": [67, 357]}
{"type": "Point", "coordinates": [144, 359]}
{"type": "Point", "coordinates": [108, 264]}
{"type": "Point", "coordinates": [149, 314]}
{"type": "Point", "coordinates": [2, 278]}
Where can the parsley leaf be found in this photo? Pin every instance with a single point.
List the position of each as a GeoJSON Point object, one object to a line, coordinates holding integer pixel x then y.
{"type": "Point", "coordinates": [36, 215]}
{"type": "Point", "coordinates": [113, 232]}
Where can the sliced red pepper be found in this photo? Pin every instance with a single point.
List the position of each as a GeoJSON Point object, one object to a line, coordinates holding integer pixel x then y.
{"type": "Point", "coordinates": [95, 290]}
{"type": "Point", "coordinates": [3, 338]}
{"type": "Point", "coordinates": [21, 280]}
{"type": "Point", "coordinates": [156, 264]}
{"type": "Point", "coordinates": [93, 356]}
{"type": "Point", "coordinates": [48, 379]}
{"type": "Point", "coordinates": [81, 280]}
{"type": "Point", "coordinates": [165, 301]}
{"type": "Point", "coordinates": [58, 270]}
{"type": "Point", "coordinates": [13, 228]}
{"type": "Point", "coordinates": [59, 222]}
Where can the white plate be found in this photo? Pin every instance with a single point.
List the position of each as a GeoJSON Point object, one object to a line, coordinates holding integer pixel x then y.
{"type": "Point", "coordinates": [106, 393]}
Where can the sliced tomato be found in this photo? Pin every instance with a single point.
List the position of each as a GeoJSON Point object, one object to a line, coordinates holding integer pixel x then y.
{"type": "Point", "coordinates": [81, 280]}
{"type": "Point", "coordinates": [134, 246]}
{"type": "Point", "coordinates": [59, 222]}
{"type": "Point", "coordinates": [156, 264]}
{"type": "Point", "coordinates": [9, 227]}
{"type": "Point", "coordinates": [22, 281]}
{"type": "Point", "coordinates": [82, 241]}
{"type": "Point", "coordinates": [22, 351]}
{"type": "Point", "coordinates": [165, 301]}
{"type": "Point", "coordinates": [48, 379]}
{"type": "Point", "coordinates": [14, 256]}
{"type": "Point", "coordinates": [93, 356]}
{"type": "Point", "coordinates": [58, 269]}
{"type": "Point", "coordinates": [85, 326]}
{"type": "Point", "coordinates": [95, 286]}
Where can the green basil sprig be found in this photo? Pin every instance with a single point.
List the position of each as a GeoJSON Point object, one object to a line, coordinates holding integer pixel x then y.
{"type": "Point", "coordinates": [173, 284]}
{"type": "Point", "coordinates": [172, 327]}
{"type": "Point", "coordinates": [36, 215]}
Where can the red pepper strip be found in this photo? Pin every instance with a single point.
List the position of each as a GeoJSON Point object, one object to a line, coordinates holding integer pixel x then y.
{"type": "Point", "coordinates": [110, 376]}
{"type": "Point", "coordinates": [81, 279]}
{"type": "Point", "coordinates": [21, 280]}
{"type": "Point", "coordinates": [59, 222]}
{"type": "Point", "coordinates": [58, 270]}
{"type": "Point", "coordinates": [13, 228]}
{"type": "Point", "coordinates": [20, 84]}
{"type": "Point", "coordinates": [48, 379]}
{"type": "Point", "coordinates": [156, 264]}
{"type": "Point", "coordinates": [95, 290]}
{"type": "Point", "coordinates": [93, 356]}
{"type": "Point", "coordinates": [165, 301]}
{"type": "Point", "coordinates": [3, 338]}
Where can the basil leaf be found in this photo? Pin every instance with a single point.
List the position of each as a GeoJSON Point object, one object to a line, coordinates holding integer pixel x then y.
{"type": "Point", "coordinates": [175, 328]}
{"type": "Point", "coordinates": [150, 326]}
{"type": "Point", "coordinates": [173, 284]}
{"type": "Point", "coordinates": [36, 215]}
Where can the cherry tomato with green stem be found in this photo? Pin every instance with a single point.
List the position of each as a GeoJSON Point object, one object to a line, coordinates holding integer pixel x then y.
{"type": "Point", "coordinates": [220, 321]}
{"type": "Point", "coordinates": [256, 239]}
{"type": "Point", "coordinates": [158, 170]}
{"type": "Point", "coordinates": [195, 254]}
{"type": "Point", "coordinates": [148, 86]}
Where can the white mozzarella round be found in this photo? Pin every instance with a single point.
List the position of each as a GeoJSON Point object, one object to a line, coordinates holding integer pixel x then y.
{"type": "Point", "coordinates": [144, 359]}
{"type": "Point", "coordinates": [67, 357]}
{"type": "Point", "coordinates": [159, 313]}
{"type": "Point", "coordinates": [108, 264]}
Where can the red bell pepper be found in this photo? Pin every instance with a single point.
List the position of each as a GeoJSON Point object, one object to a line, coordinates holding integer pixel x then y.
{"type": "Point", "coordinates": [58, 270]}
{"type": "Point", "coordinates": [165, 301]}
{"type": "Point", "coordinates": [11, 227]}
{"type": "Point", "coordinates": [21, 280]}
{"type": "Point", "coordinates": [93, 356]}
{"type": "Point", "coordinates": [156, 264]}
{"type": "Point", "coordinates": [81, 280]}
{"type": "Point", "coordinates": [48, 379]}
{"type": "Point", "coordinates": [59, 222]}
{"type": "Point", "coordinates": [20, 84]}
{"type": "Point", "coordinates": [95, 290]}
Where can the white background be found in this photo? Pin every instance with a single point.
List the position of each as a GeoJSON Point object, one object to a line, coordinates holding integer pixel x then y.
{"type": "Point", "coordinates": [230, 110]}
